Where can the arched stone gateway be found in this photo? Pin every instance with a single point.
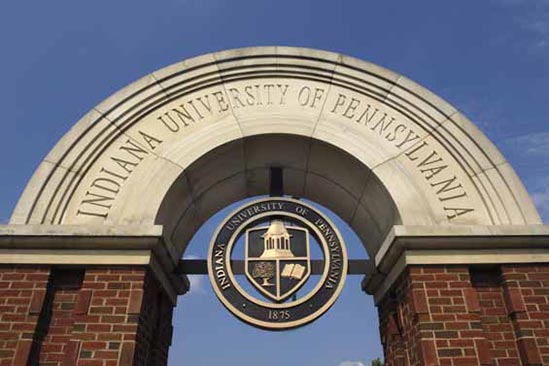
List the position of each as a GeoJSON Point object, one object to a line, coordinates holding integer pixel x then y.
{"type": "Point", "coordinates": [459, 268]}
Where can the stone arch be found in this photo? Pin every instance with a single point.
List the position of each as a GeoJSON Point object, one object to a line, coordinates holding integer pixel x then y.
{"type": "Point", "coordinates": [130, 183]}
{"type": "Point", "coordinates": [434, 164]}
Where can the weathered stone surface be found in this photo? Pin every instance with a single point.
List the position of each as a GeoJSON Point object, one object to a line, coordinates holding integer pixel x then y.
{"type": "Point", "coordinates": [118, 164]}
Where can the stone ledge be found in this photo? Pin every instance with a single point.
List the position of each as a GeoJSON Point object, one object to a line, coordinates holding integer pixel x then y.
{"type": "Point", "coordinates": [83, 231]}
{"type": "Point", "coordinates": [81, 237]}
{"type": "Point", "coordinates": [463, 244]}
{"type": "Point", "coordinates": [458, 237]}
{"type": "Point", "coordinates": [86, 245]}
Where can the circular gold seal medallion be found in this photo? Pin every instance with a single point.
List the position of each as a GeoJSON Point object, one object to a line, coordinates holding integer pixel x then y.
{"type": "Point", "coordinates": [277, 263]}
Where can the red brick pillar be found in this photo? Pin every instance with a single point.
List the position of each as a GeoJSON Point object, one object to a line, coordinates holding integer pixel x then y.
{"type": "Point", "coordinates": [22, 292]}
{"type": "Point", "coordinates": [98, 316]}
{"type": "Point", "coordinates": [461, 315]}
{"type": "Point", "coordinates": [154, 333]}
{"type": "Point", "coordinates": [392, 336]}
{"type": "Point", "coordinates": [526, 290]}
{"type": "Point", "coordinates": [496, 324]}
{"type": "Point", "coordinates": [439, 316]}
{"type": "Point", "coordinates": [56, 321]}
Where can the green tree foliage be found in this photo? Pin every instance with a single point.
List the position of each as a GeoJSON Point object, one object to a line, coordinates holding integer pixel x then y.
{"type": "Point", "coordinates": [377, 362]}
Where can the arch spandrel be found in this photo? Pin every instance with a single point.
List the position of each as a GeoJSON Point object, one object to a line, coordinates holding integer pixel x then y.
{"type": "Point", "coordinates": [143, 149]}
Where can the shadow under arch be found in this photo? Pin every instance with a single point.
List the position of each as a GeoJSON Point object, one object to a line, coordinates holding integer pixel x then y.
{"type": "Point", "coordinates": [312, 169]}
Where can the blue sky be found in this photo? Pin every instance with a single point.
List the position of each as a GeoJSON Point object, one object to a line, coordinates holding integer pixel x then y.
{"type": "Point", "coordinates": [488, 58]}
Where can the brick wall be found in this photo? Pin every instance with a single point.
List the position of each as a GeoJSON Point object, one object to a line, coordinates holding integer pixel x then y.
{"type": "Point", "coordinates": [496, 324]}
{"type": "Point", "coordinates": [392, 331]}
{"type": "Point", "coordinates": [22, 291]}
{"type": "Point", "coordinates": [458, 315]}
{"type": "Point", "coordinates": [434, 315]}
{"type": "Point", "coordinates": [107, 316]}
{"type": "Point", "coordinates": [85, 317]}
{"type": "Point", "coordinates": [439, 316]}
{"type": "Point", "coordinates": [56, 320]}
{"type": "Point", "coordinates": [526, 291]}
{"type": "Point", "coordinates": [155, 326]}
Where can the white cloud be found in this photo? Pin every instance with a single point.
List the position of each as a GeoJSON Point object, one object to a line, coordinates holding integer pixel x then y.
{"type": "Point", "coordinates": [530, 153]}
{"type": "Point", "coordinates": [351, 363]}
{"type": "Point", "coordinates": [197, 284]}
{"type": "Point", "coordinates": [538, 25]}
{"type": "Point", "coordinates": [533, 17]}
{"type": "Point", "coordinates": [541, 198]}
{"type": "Point", "coordinates": [531, 145]}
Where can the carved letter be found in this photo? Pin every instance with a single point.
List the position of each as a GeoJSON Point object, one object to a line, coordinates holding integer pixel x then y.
{"type": "Point", "coordinates": [207, 106]}
{"type": "Point", "coordinates": [433, 171]}
{"type": "Point", "coordinates": [236, 96]}
{"type": "Point", "coordinates": [365, 115]}
{"type": "Point", "coordinates": [304, 95]}
{"type": "Point", "coordinates": [134, 149]}
{"type": "Point", "coordinates": [395, 133]}
{"type": "Point", "coordinates": [318, 96]}
{"type": "Point", "coordinates": [339, 102]}
{"type": "Point", "coordinates": [97, 200]}
{"type": "Point", "coordinates": [408, 138]}
{"type": "Point", "coordinates": [153, 142]}
{"type": "Point", "coordinates": [106, 184]}
{"type": "Point", "coordinates": [87, 213]}
{"type": "Point", "coordinates": [126, 165]}
{"type": "Point", "coordinates": [409, 153]}
{"type": "Point", "coordinates": [428, 160]}
{"type": "Point", "coordinates": [446, 185]}
{"type": "Point", "coordinates": [381, 123]}
{"type": "Point", "coordinates": [350, 111]}
{"type": "Point", "coordinates": [268, 88]}
{"type": "Point", "coordinates": [223, 105]}
{"type": "Point", "coordinates": [195, 109]}
{"type": "Point", "coordinates": [183, 114]}
{"type": "Point", "coordinates": [172, 125]}
{"type": "Point", "coordinates": [456, 211]}
{"type": "Point", "coordinates": [282, 92]}
{"type": "Point", "coordinates": [251, 98]}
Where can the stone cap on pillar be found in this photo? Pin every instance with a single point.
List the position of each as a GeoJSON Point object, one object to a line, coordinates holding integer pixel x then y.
{"type": "Point", "coordinates": [97, 245]}
{"type": "Point", "coordinates": [459, 244]}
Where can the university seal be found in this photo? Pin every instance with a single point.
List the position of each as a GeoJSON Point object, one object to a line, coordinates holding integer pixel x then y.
{"type": "Point", "coordinates": [277, 263]}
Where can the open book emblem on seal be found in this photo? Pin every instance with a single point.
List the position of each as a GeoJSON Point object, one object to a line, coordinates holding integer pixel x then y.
{"type": "Point", "coordinates": [277, 260]}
